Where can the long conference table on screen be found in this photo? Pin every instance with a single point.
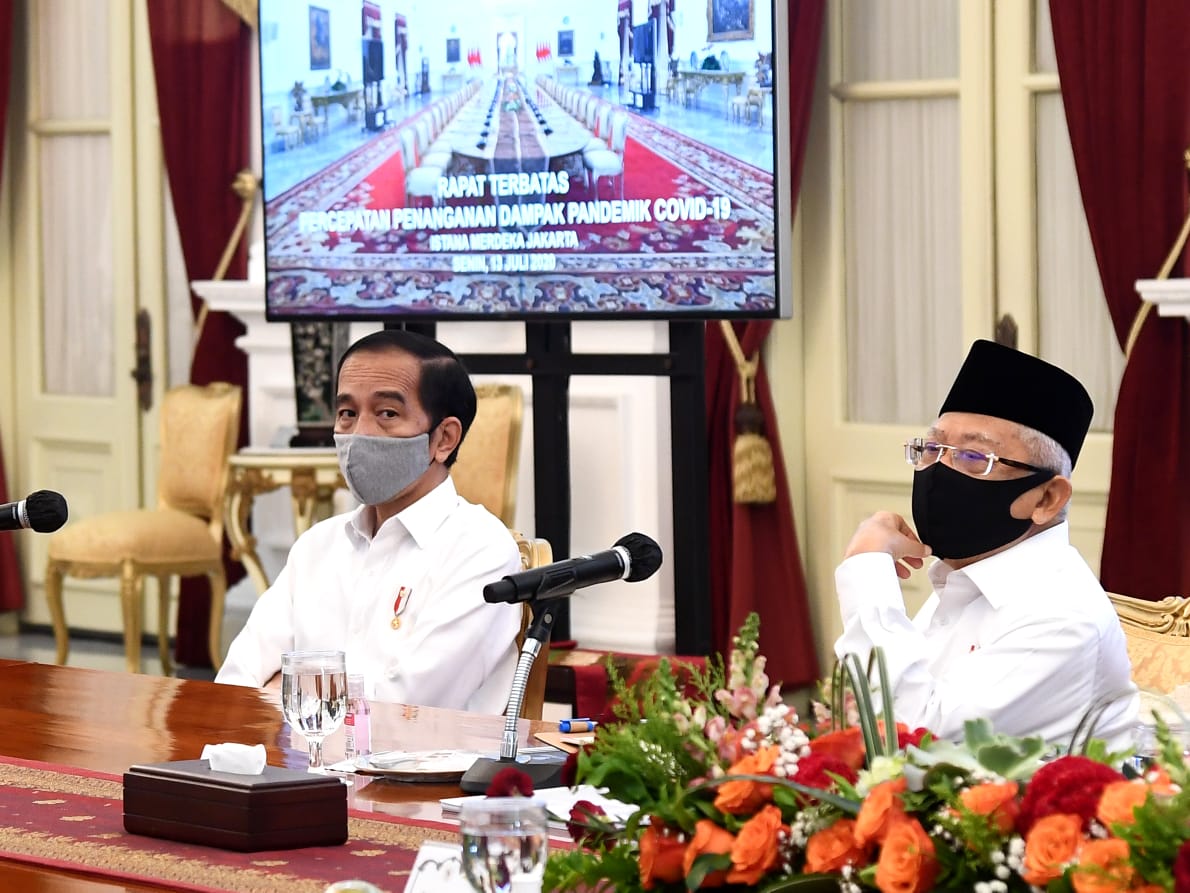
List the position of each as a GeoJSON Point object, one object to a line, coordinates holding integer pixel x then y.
{"type": "Point", "coordinates": [70, 735]}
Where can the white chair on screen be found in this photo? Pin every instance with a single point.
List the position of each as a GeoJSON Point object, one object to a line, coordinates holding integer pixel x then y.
{"type": "Point", "coordinates": [420, 181]}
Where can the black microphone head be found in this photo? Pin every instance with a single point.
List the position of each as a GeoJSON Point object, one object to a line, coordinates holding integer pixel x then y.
{"type": "Point", "coordinates": [46, 510]}
{"type": "Point", "coordinates": [644, 556]}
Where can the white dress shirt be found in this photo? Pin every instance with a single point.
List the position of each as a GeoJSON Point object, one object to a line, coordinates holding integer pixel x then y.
{"type": "Point", "coordinates": [1026, 638]}
{"type": "Point", "coordinates": [338, 591]}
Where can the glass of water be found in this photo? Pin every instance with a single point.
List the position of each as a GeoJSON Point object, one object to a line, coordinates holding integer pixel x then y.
{"type": "Point", "coordinates": [505, 842]}
{"type": "Point", "coordinates": [314, 695]}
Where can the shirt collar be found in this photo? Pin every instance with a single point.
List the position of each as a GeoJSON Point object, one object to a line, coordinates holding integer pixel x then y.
{"type": "Point", "coordinates": [420, 520]}
{"type": "Point", "coordinates": [997, 577]}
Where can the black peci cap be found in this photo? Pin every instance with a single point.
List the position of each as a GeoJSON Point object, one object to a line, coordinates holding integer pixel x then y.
{"type": "Point", "coordinates": [999, 381]}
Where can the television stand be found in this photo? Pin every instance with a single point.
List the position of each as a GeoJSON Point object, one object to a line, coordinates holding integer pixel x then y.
{"type": "Point", "coordinates": [644, 93]}
{"type": "Point", "coordinates": [643, 101]}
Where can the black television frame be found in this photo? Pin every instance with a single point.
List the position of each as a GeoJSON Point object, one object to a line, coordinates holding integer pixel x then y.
{"type": "Point", "coordinates": [783, 272]}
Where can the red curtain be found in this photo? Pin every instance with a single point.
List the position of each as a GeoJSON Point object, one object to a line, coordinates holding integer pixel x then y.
{"type": "Point", "coordinates": [12, 591]}
{"type": "Point", "coordinates": [371, 17]}
{"type": "Point", "coordinates": [1125, 74]}
{"type": "Point", "coordinates": [754, 559]}
{"type": "Point", "coordinates": [201, 56]}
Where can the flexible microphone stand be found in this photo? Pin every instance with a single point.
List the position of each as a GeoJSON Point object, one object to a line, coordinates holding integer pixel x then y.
{"type": "Point", "coordinates": [544, 775]}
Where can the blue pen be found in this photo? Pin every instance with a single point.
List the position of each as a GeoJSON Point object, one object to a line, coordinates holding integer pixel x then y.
{"type": "Point", "coordinates": [577, 725]}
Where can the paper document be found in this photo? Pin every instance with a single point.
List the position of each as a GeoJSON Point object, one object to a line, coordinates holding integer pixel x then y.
{"type": "Point", "coordinates": [559, 801]}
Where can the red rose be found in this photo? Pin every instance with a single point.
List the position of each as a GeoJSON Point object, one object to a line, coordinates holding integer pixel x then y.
{"type": "Point", "coordinates": [1181, 869]}
{"type": "Point", "coordinates": [905, 737]}
{"type": "Point", "coordinates": [510, 782]}
{"type": "Point", "coordinates": [1069, 785]}
{"type": "Point", "coordinates": [582, 830]}
{"type": "Point", "coordinates": [813, 769]}
{"type": "Point", "coordinates": [845, 744]}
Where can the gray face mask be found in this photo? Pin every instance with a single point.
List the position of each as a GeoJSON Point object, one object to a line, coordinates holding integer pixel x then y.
{"type": "Point", "coordinates": [378, 468]}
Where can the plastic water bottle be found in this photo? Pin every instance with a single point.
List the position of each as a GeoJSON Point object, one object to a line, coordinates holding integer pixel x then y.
{"type": "Point", "coordinates": [358, 721]}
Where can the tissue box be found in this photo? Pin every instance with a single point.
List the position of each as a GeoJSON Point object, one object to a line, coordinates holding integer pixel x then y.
{"type": "Point", "coordinates": [276, 810]}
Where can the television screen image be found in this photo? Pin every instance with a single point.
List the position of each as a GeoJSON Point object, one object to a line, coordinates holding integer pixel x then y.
{"type": "Point", "coordinates": [511, 185]}
{"type": "Point", "coordinates": [643, 38]}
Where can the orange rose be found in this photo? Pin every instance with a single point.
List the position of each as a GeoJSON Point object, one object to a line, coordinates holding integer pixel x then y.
{"type": "Point", "coordinates": [1118, 800]}
{"type": "Point", "coordinates": [996, 801]}
{"type": "Point", "coordinates": [756, 847]}
{"type": "Point", "coordinates": [1051, 843]}
{"type": "Point", "coordinates": [879, 810]}
{"type": "Point", "coordinates": [1159, 783]}
{"type": "Point", "coordinates": [831, 848]}
{"type": "Point", "coordinates": [907, 863]}
{"type": "Point", "coordinates": [1102, 867]}
{"type": "Point", "coordinates": [708, 838]}
{"type": "Point", "coordinates": [660, 856]}
{"type": "Point", "coordinates": [845, 744]}
{"type": "Point", "coordinates": [742, 797]}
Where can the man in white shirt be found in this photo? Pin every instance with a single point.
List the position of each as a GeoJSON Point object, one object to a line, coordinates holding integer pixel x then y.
{"type": "Point", "coordinates": [398, 583]}
{"type": "Point", "coordinates": [1018, 629]}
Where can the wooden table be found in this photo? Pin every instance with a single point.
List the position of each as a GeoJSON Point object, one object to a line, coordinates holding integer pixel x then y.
{"type": "Point", "coordinates": [312, 476]}
{"type": "Point", "coordinates": [697, 78]}
{"type": "Point", "coordinates": [106, 722]}
{"type": "Point", "coordinates": [345, 98]}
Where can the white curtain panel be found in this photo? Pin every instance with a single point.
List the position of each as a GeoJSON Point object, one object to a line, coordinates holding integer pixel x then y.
{"type": "Point", "coordinates": [1073, 322]}
{"type": "Point", "coordinates": [76, 274]}
{"type": "Point", "coordinates": [900, 40]}
{"type": "Point", "coordinates": [904, 318]}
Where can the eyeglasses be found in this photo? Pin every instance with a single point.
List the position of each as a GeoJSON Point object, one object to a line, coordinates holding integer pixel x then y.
{"type": "Point", "coordinates": [921, 453]}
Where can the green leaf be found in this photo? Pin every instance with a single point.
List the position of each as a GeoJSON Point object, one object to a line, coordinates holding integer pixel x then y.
{"type": "Point", "coordinates": [704, 865]}
{"type": "Point", "coordinates": [804, 883]}
{"type": "Point", "coordinates": [851, 807]}
{"type": "Point", "coordinates": [863, 703]}
{"type": "Point", "coordinates": [886, 702]}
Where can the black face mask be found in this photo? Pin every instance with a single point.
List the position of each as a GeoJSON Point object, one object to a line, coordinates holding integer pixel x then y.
{"type": "Point", "coordinates": [958, 516]}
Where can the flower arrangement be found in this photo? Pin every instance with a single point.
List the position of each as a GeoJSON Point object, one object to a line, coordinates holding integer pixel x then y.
{"type": "Point", "coordinates": [734, 791]}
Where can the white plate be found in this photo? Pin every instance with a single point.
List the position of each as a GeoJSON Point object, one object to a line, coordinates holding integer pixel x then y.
{"type": "Point", "coordinates": [439, 766]}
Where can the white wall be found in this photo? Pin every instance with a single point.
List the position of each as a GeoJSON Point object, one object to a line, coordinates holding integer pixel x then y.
{"type": "Point", "coordinates": [285, 32]}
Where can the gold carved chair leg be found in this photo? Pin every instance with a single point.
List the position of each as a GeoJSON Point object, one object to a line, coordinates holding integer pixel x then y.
{"type": "Point", "coordinates": [163, 593]}
{"type": "Point", "coordinates": [53, 597]}
{"type": "Point", "coordinates": [215, 634]}
{"type": "Point", "coordinates": [132, 604]}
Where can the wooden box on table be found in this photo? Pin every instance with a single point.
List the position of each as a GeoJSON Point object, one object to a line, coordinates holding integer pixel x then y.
{"type": "Point", "coordinates": [276, 810]}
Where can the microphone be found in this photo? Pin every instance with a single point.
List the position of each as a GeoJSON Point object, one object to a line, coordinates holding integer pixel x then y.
{"type": "Point", "coordinates": [43, 510]}
{"type": "Point", "coordinates": [633, 557]}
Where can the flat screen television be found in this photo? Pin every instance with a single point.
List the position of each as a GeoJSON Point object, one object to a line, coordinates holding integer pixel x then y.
{"type": "Point", "coordinates": [515, 184]}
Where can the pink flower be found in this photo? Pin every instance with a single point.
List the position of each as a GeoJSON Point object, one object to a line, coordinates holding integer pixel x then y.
{"type": "Point", "coordinates": [715, 729]}
{"type": "Point", "coordinates": [740, 702]}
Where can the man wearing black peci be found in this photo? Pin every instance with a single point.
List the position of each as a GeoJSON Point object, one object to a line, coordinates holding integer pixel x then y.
{"type": "Point", "coordinates": [398, 583]}
{"type": "Point", "coordinates": [1018, 629]}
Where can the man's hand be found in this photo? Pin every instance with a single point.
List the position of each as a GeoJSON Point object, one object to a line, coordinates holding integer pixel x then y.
{"type": "Point", "coordinates": [889, 532]}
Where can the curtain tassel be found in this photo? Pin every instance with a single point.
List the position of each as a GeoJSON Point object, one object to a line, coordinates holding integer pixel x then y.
{"type": "Point", "coordinates": [752, 476]}
{"type": "Point", "coordinates": [754, 481]}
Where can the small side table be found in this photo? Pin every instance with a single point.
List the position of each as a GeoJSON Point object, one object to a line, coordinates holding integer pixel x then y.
{"type": "Point", "coordinates": [312, 476]}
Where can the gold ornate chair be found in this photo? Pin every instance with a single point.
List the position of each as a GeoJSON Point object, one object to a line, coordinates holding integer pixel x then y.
{"type": "Point", "coordinates": [534, 553]}
{"type": "Point", "coordinates": [182, 537]}
{"type": "Point", "coordinates": [1158, 635]}
{"type": "Point", "coordinates": [485, 471]}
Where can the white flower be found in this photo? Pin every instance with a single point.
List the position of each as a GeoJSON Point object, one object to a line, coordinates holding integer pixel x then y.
{"type": "Point", "coordinates": [883, 768]}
